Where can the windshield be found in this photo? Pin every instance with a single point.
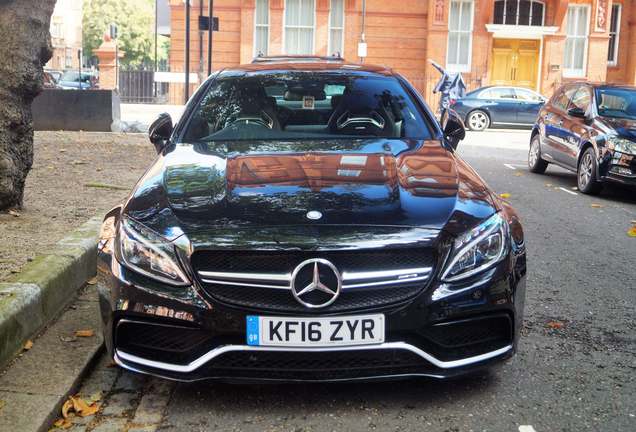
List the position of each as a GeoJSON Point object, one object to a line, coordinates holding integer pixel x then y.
{"type": "Point", "coordinates": [73, 76]}
{"type": "Point", "coordinates": [305, 105]}
{"type": "Point", "coordinates": [616, 102]}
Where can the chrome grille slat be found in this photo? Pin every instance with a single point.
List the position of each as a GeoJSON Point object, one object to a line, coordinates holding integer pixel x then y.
{"type": "Point", "coordinates": [388, 277]}
{"type": "Point", "coordinates": [262, 280]}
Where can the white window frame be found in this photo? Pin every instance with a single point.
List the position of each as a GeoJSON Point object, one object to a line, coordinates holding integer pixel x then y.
{"type": "Point", "coordinates": [617, 33]}
{"type": "Point", "coordinates": [453, 67]}
{"type": "Point", "coordinates": [313, 29]}
{"type": "Point", "coordinates": [578, 73]}
{"type": "Point", "coordinates": [330, 51]}
{"type": "Point", "coordinates": [256, 26]}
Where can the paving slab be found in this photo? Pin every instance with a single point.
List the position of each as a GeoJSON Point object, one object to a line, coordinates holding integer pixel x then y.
{"type": "Point", "coordinates": [39, 380]}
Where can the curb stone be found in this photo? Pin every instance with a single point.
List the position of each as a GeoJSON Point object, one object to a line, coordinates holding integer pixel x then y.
{"type": "Point", "coordinates": [45, 286]}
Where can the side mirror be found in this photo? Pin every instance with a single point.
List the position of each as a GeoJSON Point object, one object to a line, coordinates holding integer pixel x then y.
{"type": "Point", "coordinates": [453, 128]}
{"type": "Point", "coordinates": [160, 131]}
{"type": "Point", "coordinates": [576, 112]}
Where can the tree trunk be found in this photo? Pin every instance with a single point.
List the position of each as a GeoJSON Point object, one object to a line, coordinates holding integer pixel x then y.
{"type": "Point", "coordinates": [25, 46]}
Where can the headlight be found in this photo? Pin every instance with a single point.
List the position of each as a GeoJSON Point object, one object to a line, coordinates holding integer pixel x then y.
{"type": "Point", "coordinates": [149, 254]}
{"type": "Point", "coordinates": [621, 145]}
{"type": "Point", "coordinates": [478, 249]}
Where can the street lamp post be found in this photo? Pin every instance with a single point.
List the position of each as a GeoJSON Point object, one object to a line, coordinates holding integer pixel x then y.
{"type": "Point", "coordinates": [187, 51]}
{"type": "Point", "coordinates": [210, 33]}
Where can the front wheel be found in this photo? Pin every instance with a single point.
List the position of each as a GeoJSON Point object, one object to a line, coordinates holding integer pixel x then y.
{"type": "Point", "coordinates": [586, 173]}
{"type": "Point", "coordinates": [478, 121]}
{"type": "Point", "coordinates": [535, 163]}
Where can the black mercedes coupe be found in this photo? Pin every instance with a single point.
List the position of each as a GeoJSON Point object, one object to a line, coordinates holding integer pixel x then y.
{"type": "Point", "coordinates": [310, 220]}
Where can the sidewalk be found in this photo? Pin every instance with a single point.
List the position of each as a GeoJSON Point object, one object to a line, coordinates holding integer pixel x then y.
{"type": "Point", "coordinates": [143, 115]}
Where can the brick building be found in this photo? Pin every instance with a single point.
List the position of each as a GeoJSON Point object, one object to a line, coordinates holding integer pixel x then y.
{"type": "Point", "coordinates": [531, 43]}
{"type": "Point", "coordinates": [66, 34]}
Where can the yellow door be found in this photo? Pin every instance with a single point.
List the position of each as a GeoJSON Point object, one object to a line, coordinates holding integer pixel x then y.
{"type": "Point", "coordinates": [515, 62]}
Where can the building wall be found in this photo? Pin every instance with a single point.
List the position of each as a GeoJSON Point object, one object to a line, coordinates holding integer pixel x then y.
{"type": "Point", "coordinates": [405, 35]}
{"type": "Point", "coordinates": [66, 34]}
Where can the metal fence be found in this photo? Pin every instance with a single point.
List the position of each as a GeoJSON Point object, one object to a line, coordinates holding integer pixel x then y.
{"type": "Point", "coordinates": [138, 86]}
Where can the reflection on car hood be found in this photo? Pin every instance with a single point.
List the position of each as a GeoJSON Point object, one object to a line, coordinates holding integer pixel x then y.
{"type": "Point", "coordinates": [403, 183]}
{"type": "Point", "coordinates": [625, 128]}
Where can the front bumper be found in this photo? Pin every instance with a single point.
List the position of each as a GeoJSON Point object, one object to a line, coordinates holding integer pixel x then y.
{"type": "Point", "coordinates": [181, 334]}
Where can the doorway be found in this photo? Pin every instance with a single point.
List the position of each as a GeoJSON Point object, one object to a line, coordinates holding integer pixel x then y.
{"type": "Point", "coordinates": [515, 62]}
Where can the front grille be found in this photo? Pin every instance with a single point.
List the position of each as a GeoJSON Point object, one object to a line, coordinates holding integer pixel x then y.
{"type": "Point", "coordinates": [316, 365]}
{"type": "Point", "coordinates": [283, 262]}
{"type": "Point", "coordinates": [467, 338]}
{"type": "Point", "coordinates": [261, 280]}
{"type": "Point", "coordinates": [167, 343]}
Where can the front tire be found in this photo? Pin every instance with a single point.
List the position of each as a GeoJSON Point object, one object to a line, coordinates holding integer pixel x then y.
{"type": "Point", "coordinates": [587, 180]}
{"type": "Point", "coordinates": [535, 163]}
{"type": "Point", "coordinates": [478, 121]}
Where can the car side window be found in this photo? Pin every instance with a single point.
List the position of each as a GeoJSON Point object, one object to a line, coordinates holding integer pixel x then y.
{"type": "Point", "coordinates": [502, 93]}
{"type": "Point", "coordinates": [527, 95]}
{"type": "Point", "coordinates": [581, 99]}
{"type": "Point", "coordinates": [562, 100]}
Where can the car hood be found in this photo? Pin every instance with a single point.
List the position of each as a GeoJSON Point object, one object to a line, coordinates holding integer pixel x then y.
{"type": "Point", "coordinates": [625, 128]}
{"type": "Point", "coordinates": [193, 188]}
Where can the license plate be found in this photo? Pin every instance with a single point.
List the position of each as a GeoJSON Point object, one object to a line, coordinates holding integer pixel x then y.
{"type": "Point", "coordinates": [319, 332]}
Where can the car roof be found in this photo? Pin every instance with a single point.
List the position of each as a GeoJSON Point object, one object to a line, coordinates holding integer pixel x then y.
{"type": "Point", "coordinates": [597, 84]}
{"type": "Point", "coordinates": [308, 63]}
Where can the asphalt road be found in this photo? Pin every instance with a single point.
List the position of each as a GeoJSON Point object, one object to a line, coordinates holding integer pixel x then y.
{"type": "Point", "coordinates": [578, 376]}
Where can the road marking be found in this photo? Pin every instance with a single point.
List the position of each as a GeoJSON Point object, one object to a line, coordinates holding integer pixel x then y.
{"type": "Point", "coordinates": [526, 428]}
{"type": "Point", "coordinates": [568, 191]}
{"type": "Point", "coordinates": [509, 166]}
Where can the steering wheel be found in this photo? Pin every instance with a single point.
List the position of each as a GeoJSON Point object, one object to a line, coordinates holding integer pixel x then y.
{"type": "Point", "coordinates": [264, 120]}
{"type": "Point", "coordinates": [374, 119]}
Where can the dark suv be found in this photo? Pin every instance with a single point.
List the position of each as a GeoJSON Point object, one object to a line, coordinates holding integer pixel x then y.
{"type": "Point", "coordinates": [590, 129]}
{"type": "Point", "coordinates": [310, 221]}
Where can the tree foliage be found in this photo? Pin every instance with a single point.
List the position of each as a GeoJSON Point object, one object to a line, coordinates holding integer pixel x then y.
{"type": "Point", "coordinates": [135, 22]}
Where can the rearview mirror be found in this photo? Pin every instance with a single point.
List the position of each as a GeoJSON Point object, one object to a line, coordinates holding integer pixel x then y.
{"type": "Point", "coordinates": [160, 131]}
{"type": "Point", "coordinates": [453, 128]}
{"type": "Point", "coordinates": [576, 112]}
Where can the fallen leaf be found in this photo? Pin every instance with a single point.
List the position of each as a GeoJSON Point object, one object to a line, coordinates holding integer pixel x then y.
{"type": "Point", "coordinates": [2, 404]}
{"type": "Point", "coordinates": [84, 333]}
{"type": "Point", "coordinates": [82, 408]}
{"type": "Point", "coordinates": [518, 174]}
{"type": "Point", "coordinates": [632, 231]}
{"type": "Point", "coordinates": [14, 213]}
{"type": "Point", "coordinates": [594, 205]}
{"type": "Point", "coordinates": [92, 281]}
{"type": "Point", "coordinates": [63, 423]}
{"type": "Point", "coordinates": [548, 184]}
{"type": "Point", "coordinates": [28, 345]}
{"type": "Point", "coordinates": [67, 339]}
{"type": "Point", "coordinates": [66, 408]}
{"type": "Point", "coordinates": [555, 325]}
{"type": "Point", "coordinates": [505, 195]}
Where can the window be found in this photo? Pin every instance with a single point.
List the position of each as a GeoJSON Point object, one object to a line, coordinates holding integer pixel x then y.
{"type": "Point", "coordinates": [498, 93]}
{"type": "Point", "coordinates": [581, 99]}
{"type": "Point", "coordinates": [616, 102]}
{"type": "Point", "coordinates": [578, 23]}
{"type": "Point", "coordinates": [519, 12]}
{"type": "Point", "coordinates": [336, 27]}
{"type": "Point", "coordinates": [261, 27]}
{"type": "Point", "coordinates": [527, 95]}
{"type": "Point", "coordinates": [57, 30]}
{"type": "Point", "coordinates": [562, 99]}
{"type": "Point", "coordinates": [273, 106]}
{"type": "Point", "coordinates": [615, 28]}
{"type": "Point", "coordinates": [299, 26]}
{"type": "Point", "coordinates": [460, 34]}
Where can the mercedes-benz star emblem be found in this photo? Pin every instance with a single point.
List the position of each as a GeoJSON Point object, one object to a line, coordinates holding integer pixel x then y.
{"type": "Point", "coordinates": [316, 283]}
{"type": "Point", "coordinates": [314, 215]}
